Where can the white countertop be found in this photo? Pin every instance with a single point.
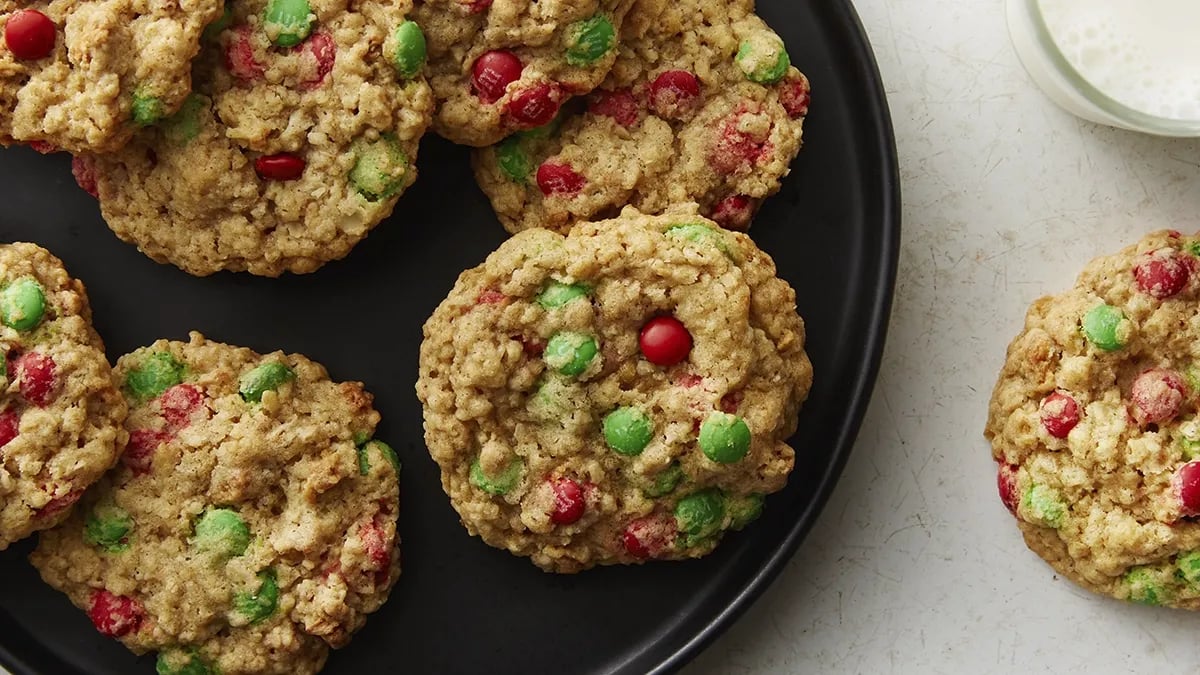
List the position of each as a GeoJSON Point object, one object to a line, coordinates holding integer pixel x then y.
{"type": "Point", "coordinates": [914, 565]}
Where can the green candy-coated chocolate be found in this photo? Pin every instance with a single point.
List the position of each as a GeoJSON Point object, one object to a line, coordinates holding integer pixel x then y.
{"type": "Point", "coordinates": [288, 22]}
{"type": "Point", "coordinates": [514, 162]}
{"type": "Point", "coordinates": [1188, 436]}
{"type": "Point", "coordinates": [497, 485]}
{"type": "Point", "coordinates": [556, 294]}
{"type": "Point", "coordinates": [1103, 327]}
{"type": "Point", "coordinates": [570, 353]}
{"type": "Point", "coordinates": [222, 532]}
{"type": "Point", "coordinates": [212, 30]}
{"type": "Point", "coordinates": [665, 481]}
{"type": "Point", "coordinates": [108, 527]}
{"type": "Point", "coordinates": [408, 50]}
{"type": "Point", "coordinates": [22, 304]}
{"type": "Point", "coordinates": [146, 109]}
{"type": "Point", "coordinates": [256, 606]}
{"type": "Point", "coordinates": [745, 510]}
{"type": "Point", "coordinates": [180, 662]}
{"type": "Point", "coordinates": [589, 40]}
{"type": "Point", "coordinates": [1194, 248]}
{"type": "Point", "coordinates": [700, 516]}
{"type": "Point", "coordinates": [364, 456]}
{"type": "Point", "coordinates": [763, 59]}
{"type": "Point", "coordinates": [724, 438]}
{"type": "Point", "coordinates": [264, 378]}
{"type": "Point", "coordinates": [1042, 505]}
{"type": "Point", "coordinates": [1188, 565]}
{"type": "Point", "coordinates": [184, 125]}
{"type": "Point", "coordinates": [380, 168]}
{"type": "Point", "coordinates": [700, 234]}
{"type": "Point", "coordinates": [1146, 587]}
{"type": "Point", "coordinates": [157, 373]}
{"type": "Point", "coordinates": [627, 430]}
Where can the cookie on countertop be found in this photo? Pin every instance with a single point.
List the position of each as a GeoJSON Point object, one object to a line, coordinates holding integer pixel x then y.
{"type": "Point", "coordinates": [302, 135]}
{"type": "Point", "coordinates": [497, 66]}
{"type": "Point", "coordinates": [619, 394]}
{"type": "Point", "coordinates": [249, 526]}
{"type": "Point", "coordinates": [60, 409]}
{"type": "Point", "coordinates": [702, 105]}
{"type": "Point", "coordinates": [83, 75]}
{"type": "Point", "coordinates": [1095, 422]}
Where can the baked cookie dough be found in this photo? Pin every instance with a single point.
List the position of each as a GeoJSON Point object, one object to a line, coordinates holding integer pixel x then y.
{"type": "Point", "coordinates": [82, 75]}
{"type": "Point", "coordinates": [497, 66]}
{"type": "Point", "coordinates": [60, 409]}
{"type": "Point", "coordinates": [301, 136]}
{"type": "Point", "coordinates": [249, 526]}
{"type": "Point", "coordinates": [1094, 421]}
{"type": "Point", "coordinates": [702, 105]}
{"type": "Point", "coordinates": [619, 394]}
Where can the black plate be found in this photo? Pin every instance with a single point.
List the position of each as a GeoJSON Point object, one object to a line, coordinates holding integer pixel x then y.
{"type": "Point", "coordinates": [460, 606]}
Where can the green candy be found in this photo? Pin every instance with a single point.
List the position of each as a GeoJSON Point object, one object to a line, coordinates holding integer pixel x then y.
{"type": "Point", "coordinates": [745, 510]}
{"type": "Point", "coordinates": [180, 662]}
{"type": "Point", "coordinates": [497, 485]}
{"type": "Point", "coordinates": [108, 527]}
{"type": "Point", "coordinates": [513, 160]}
{"type": "Point", "coordinates": [724, 438]}
{"type": "Point", "coordinates": [264, 378]}
{"type": "Point", "coordinates": [1188, 435]}
{"type": "Point", "coordinates": [212, 30]}
{"type": "Point", "coordinates": [700, 515]}
{"type": "Point", "coordinates": [22, 304]}
{"type": "Point", "coordinates": [570, 353]}
{"type": "Point", "coordinates": [146, 109]}
{"type": "Point", "coordinates": [1146, 586]}
{"type": "Point", "coordinates": [556, 294]}
{"type": "Point", "coordinates": [590, 39]}
{"type": "Point", "coordinates": [256, 606]}
{"type": "Point", "coordinates": [665, 482]}
{"type": "Point", "coordinates": [1105, 326]}
{"type": "Point", "coordinates": [763, 59]}
{"type": "Point", "coordinates": [700, 234]}
{"type": "Point", "coordinates": [222, 532]}
{"type": "Point", "coordinates": [364, 459]}
{"type": "Point", "coordinates": [1189, 568]}
{"type": "Point", "coordinates": [1042, 505]}
{"type": "Point", "coordinates": [184, 125]}
{"type": "Point", "coordinates": [157, 373]}
{"type": "Point", "coordinates": [408, 53]}
{"type": "Point", "coordinates": [1194, 248]}
{"type": "Point", "coordinates": [288, 22]}
{"type": "Point", "coordinates": [627, 430]}
{"type": "Point", "coordinates": [379, 169]}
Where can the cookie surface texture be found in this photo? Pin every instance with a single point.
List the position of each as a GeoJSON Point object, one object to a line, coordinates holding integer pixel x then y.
{"type": "Point", "coordinates": [60, 409]}
{"type": "Point", "coordinates": [616, 395]}
{"type": "Point", "coordinates": [249, 526]}
{"type": "Point", "coordinates": [301, 136]}
{"type": "Point", "coordinates": [498, 66]}
{"type": "Point", "coordinates": [1094, 424]}
{"type": "Point", "coordinates": [703, 105]}
{"type": "Point", "coordinates": [83, 75]}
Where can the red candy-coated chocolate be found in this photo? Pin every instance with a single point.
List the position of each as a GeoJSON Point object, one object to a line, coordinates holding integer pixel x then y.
{"type": "Point", "coordinates": [321, 48]}
{"type": "Point", "coordinates": [239, 56]}
{"type": "Point", "coordinates": [734, 212]}
{"type": "Point", "coordinates": [665, 341]}
{"type": "Point", "coordinates": [115, 615]}
{"type": "Point", "coordinates": [1060, 414]}
{"type": "Point", "coordinates": [492, 72]}
{"type": "Point", "coordinates": [674, 94]}
{"type": "Point", "coordinates": [734, 148]}
{"type": "Point", "coordinates": [1161, 273]}
{"type": "Point", "coordinates": [531, 346]}
{"type": "Point", "coordinates": [42, 147]}
{"type": "Point", "coordinates": [569, 501]}
{"type": "Point", "coordinates": [489, 296]}
{"type": "Point", "coordinates": [84, 171]}
{"type": "Point", "coordinates": [35, 373]}
{"type": "Point", "coordinates": [559, 179]}
{"type": "Point", "coordinates": [619, 105]}
{"type": "Point", "coordinates": [59, 504]}
{"type": "Point", "coordinates": [535, 106]}
{"type": "Point", "coordinates": [647, 537]}
{"type": "Point", "coordinates": [475, 6]}
{"type": "Point", "coordinates": [1187, 483]}
{"type": "Point", "coordinates": [1006, 481]}
{"type": "Point", "coordinates": [1157, 396]}
{"type": "Point", "coordinates": [139, 453]}
{"type": "Point", "coordinates": [794, 94]}
{"type": "Point", "coordinates": [280, 166]}
{"type": "Point", "coordinates": [29, 34]}
{"type": "Point", "coordinates": [10, 426]}
{"type": "Point", "coordinates": [688, 380]}
{"type": "Point", "coordinates": [179, 404]}
{"type": "Point", "coordinates": [375, 543]}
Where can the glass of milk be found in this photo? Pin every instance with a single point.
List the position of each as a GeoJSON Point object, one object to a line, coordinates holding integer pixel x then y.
{"type": "Point", "coordinates": [1133, 64]}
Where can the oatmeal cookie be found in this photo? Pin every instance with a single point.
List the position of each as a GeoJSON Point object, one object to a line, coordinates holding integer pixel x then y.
{"type": "Point", "coordinates": [702, 105]}
{"type": "Point", "coordinates": [249, 526]}
{"type": "Point", "coordinates": [615, 395]}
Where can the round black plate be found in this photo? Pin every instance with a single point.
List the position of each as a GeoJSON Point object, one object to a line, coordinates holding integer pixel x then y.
{"type": "Point", "coordinates": [460, 606]}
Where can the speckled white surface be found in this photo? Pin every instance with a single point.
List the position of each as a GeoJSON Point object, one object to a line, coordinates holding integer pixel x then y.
{"type": "Point", "coordinates": [914, 566]}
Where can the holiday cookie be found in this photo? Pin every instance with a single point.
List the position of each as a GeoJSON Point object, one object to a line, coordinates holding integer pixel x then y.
{"type": "Point", "coordinates": [497, 66]}
{"type": "Point", "coordinates": [60, 410]}
{"type": "Point", "coordinates": [619, 394]}
{"type": "Point", "coordinates": [83, 75]}
{"type": "Point", "coordinates": [702, 105]}
{"type": "Point", "coordinates": [300, 138]}
{"type": "Point", "coordinates": [249, 526]}
{"type": "Point", "coordinates": [1095, 424]}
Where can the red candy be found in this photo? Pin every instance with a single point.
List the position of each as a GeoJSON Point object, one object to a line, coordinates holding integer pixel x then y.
{"type": "Point", "coordinates": [674, 93]}
{"type": "Point", "coordinates": [10, 426]}
{"type": "Point", "coordinates": [1060, 414]}
{"type": "Point", "coordinates": [1157, 396]}
{"type": "Point", "coordinates": [569, 501]}
{"type": "Point", "coordinates": [280, 166]}
{"type": "Point", "coordinates": [29, 34]}
{"type": "Point", "coordinates": [42, 147]}
{"type": "Point", "coordinates": [559, 179]}
{"type": "Point", "coordinates": [115, 615]}
{"type": "Point", "coordinates": [323, 51]}
{"type": "Point", "coordinates": [492, 73]}
{"type": "Point", "coordinates": [665, 341]}
{"type": "Point", "coordinates": [139, 453]}
{"type": "Point", "coordinates": [535, 106]}
{"type": "Point", "coordinates": [84, 171]}
{"type": "Point", "coordinates": [239, 56]}
{"type": "Point", "coordinates": [59, 504]}
{"type": "Point", "coordinates": [35, 374]}
{"type": "Point", "coordinates": [375, 543]}
{"type": "Point", "coordinates": [1187, 482]}
{"type": "Point", "coordinates": [490, 296]}
{"type": "Point", "coordinates": [736, 148]}
{"type": "Point", "coordinates": [619, 105]}
{"type": "Point", "coordinates": [476, 6]}
{"type": "Point", "coordinates": [734, 212]}
{"type": "Point", "coordinates": [179, 404]}
{"type": "Point", "coordinates": [649, 536]}
{"type": "Point", "coordinates": [795, 96]}
{"type": "Point", "coordinates": [1006, 481]}
{"type": "Point", "coordinates": [531, 346]}
{"type": "Point", "coordinates": [1161, 273]}
{"type": "Point", "coordinates": [688, 380]}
